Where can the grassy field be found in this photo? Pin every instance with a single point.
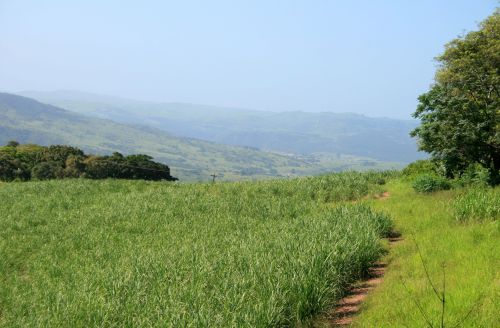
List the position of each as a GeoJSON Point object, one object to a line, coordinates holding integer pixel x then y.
{"type": "Point", "coordinates": [456, 229]}
{"type": "Point", "coordinates": [80, 253]}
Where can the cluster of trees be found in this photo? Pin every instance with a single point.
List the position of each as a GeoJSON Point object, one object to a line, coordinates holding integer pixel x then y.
{"type": "Point", "coordinates": [26, 162]}
{"type": "Point", "coordinates": [460, 114]}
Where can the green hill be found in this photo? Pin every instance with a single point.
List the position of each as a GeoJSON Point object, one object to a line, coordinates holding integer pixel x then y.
{"type": "Point", "coordinates": [303, 133]}
{"type": "Point", "coordinates": [27, 120]}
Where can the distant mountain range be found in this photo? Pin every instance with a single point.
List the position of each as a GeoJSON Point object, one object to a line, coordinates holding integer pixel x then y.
{"type": "Point", "coordinates": [28, 120]}
{"type": "Point", "coordinates": [301, 133]}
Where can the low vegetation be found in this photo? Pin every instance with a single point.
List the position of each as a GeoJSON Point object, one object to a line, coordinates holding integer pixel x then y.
{"type": "Point", "coordinates": [423, 166]}
{"type": "Point", "coordinates": [85, 253]}
{"type": "Point", "coordinates": [430, 183]}
{"type": "Point", "coordinates": [26, 162]}
{"type": "Point", "coordinates": [270, 253]}
{"type": "Point", "coordinates": [477, 204]}
{"type": "Point", "coordinates": [434, 241]}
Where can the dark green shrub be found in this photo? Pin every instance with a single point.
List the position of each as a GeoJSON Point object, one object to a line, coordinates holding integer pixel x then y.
{"type": "Point", "coordinates": [430, 183]}
{"type": "Point", "coordinates": [475, 174]}
{"type": "Point", "coordinates": [97, 167]}
{"type": "Point", "coordinates": [23, 162]}
{"type": "Point", "coordinates": [47, 170]}
{"type": "Point", "coordinates": [12, 143]}
{"type": "Point", "coordinates": [7, 169]}
{"type": "Point", "coordinates": [12, 169]}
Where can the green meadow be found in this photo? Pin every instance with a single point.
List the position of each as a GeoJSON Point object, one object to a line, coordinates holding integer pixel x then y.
{"type": "Point", "coordinates": [83, 253]}
{"type": "Point", "coordinates": [116, 253]}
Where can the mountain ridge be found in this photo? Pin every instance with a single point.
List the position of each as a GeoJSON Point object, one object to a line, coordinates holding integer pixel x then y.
{"type": "Point", "coordinates": [28, 120]}
{"type": "Point", "coordinates": [297, 132]}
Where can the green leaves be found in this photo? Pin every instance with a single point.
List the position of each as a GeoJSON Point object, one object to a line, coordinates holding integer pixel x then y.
{"type": "Point", "coordinates": [459, 114]}
{"type": "Point", "coordinates": [28, 161]}
{"type": "Point", "coordinates": [430, 183]}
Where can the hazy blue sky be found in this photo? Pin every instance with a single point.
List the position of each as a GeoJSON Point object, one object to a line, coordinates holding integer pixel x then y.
{"type": "Point", "coordinates": [372, 57]}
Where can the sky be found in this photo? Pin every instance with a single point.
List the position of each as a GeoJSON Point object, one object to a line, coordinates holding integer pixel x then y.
{"type": "Point", "coordinates": [372, 57]}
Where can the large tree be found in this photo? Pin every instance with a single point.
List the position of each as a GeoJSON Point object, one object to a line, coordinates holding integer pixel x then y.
{"type": "Point", "coordinates": [460, 114]}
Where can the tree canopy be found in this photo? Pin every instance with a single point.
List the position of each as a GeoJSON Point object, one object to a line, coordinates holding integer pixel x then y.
{"type": "Point", "coordinates": [460, 114]}
{"type": "Point", "coordinates": [25, 162]}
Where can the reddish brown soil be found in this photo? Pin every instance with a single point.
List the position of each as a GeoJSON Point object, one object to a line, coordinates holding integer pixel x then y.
{"type": "Point", "coordinates": [348, 307]}
{"type": "Point", "coordinates": [383, 195]}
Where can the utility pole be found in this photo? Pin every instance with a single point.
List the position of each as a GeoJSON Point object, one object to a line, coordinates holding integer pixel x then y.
{"type": "Point", "coordinates": [213, 177]}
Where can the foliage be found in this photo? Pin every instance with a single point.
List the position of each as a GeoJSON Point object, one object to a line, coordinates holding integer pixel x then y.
{"type": "Point", "coordinates": [117, 253]}
{"type": "Point", "coordinates": [478, 204]}
{"type": "Point", "coordinates": [74, 166]}
{"type": "Point", "coordinates": [24, 162]}
{"type": "Point", "coordinates": [475, 175]}
{"type": "Point", "coordinates": [47, 170]}
{"type": "Point", "coordinates": [460, 115]}
{"type": "Point", "coordinates": [59, 153]}
{"type": "Point", "coordinates": [430, 183]}
{"type": "Point", "coordinates": [423, 166]}
{"type": "Point", "coordinates": [12, 143]}
{"type": "Point", "coordinates": [12, 169]}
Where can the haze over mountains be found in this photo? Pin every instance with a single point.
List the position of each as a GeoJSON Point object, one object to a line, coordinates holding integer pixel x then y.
{"type": "Point", "coordinates": [309, 134]}
{"type": "Point", "coordinates": [28, 120]}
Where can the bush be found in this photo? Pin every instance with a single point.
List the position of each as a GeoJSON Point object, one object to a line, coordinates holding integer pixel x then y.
{"type": "Point", "coordinates": [74, 166]}
{"type": "Point", "coordinates": [97, 167]}
{"type": "Point", "coordinates": [12, 143]}
{"type": "Point", "coordinates": [430, 183]}
{"type": "Point", "coordinates": [478, 204]}
{"type": "Point", "coordinates": [47, 170]}
{"type": "Point", "coordinates": [475, 174]}
{"type": "Point", "coordinates": [12, 169]}
{"type": "Point", "coordinates": [23, 162]}
{"type": "Point", "coordinates": [423, 166]}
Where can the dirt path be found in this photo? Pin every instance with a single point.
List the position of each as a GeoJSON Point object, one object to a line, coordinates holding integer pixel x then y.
{"type": "Point", "coordinates": [349, 306]}
{"type": "Point", "coordinates": [383, 195]}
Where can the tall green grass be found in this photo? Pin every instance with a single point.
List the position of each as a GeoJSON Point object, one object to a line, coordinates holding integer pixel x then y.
{"type": "Point", "coordinates": [428, 183]}
{"type": "Point", "coordinates": [478, 204]}
{"type": "Point", "coordinates": [120, 253]}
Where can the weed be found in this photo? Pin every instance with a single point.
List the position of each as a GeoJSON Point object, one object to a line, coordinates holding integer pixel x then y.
{"type": "Point", "coordinates": [430, 183]}
{"type": "Point", "coordinates": [477, 204]}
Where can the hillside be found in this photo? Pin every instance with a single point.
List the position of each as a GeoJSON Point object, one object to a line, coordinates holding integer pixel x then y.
{"type": "Point", "coordinates": [303, 133]}
{"type": "Point", "coordinates": [27, 120]}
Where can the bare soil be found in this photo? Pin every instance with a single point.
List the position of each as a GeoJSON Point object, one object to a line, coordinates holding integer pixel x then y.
{"type": "Point", "coordinates": [383, 195]}
{"type": "Point", "coordinates": [349, 306]}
